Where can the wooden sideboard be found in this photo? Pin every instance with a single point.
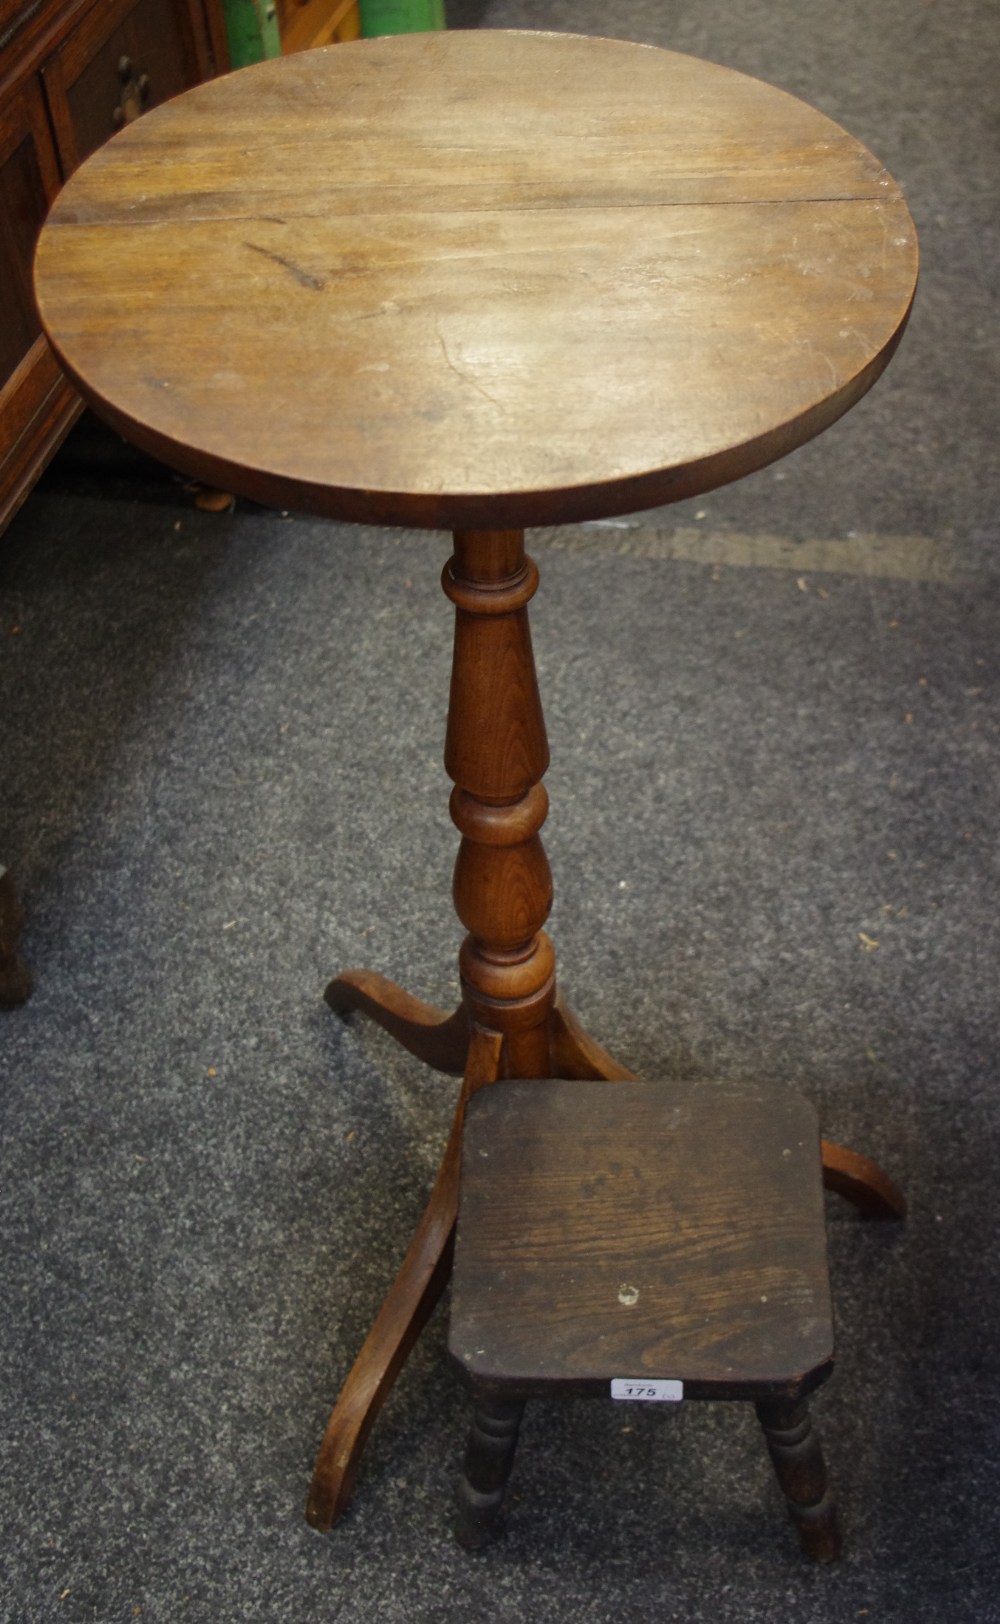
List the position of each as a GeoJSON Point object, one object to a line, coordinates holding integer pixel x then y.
{"type": "Point", "coordinates": [71, 72]}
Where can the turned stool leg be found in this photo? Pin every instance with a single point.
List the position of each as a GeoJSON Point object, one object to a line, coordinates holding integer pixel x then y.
{"type": "Point", "coordinates": [489, 1457]}
{"type": "Point", "coordinates": [798, 1461]}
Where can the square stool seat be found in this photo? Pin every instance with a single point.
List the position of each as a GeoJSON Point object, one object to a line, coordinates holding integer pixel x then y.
{"type": "Point", "coordinates": [667, 1238]}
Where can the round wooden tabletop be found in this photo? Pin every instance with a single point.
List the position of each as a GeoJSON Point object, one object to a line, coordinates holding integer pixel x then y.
{"type": "Point", "coordinates": [477, 280]}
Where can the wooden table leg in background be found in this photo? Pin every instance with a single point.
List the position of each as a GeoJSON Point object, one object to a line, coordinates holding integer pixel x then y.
{"type": "Point", "coordinates": [15, 977]}
{"type": "Point", "coordinates": [511, 1021]}
{"type": "Point", "coordinates": [862, 1182]}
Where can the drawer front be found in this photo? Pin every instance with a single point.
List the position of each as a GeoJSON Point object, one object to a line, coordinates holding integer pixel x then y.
{"type": "Point", "coordinates": [122, 58]}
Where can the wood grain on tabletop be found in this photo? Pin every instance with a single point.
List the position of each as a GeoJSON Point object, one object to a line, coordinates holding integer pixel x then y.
{"type": "Point", "coordinates": [477, 278]}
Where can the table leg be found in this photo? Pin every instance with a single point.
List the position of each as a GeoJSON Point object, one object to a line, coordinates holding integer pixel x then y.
{"type": "Point", "coordinates": [403, 1315]}
{"type": "Point", "coordinates": [575, 1054]}
{"type": "Point", "coordinates": [427, 1265]}
{"type": "Point", "coordinates": [15, 977]}
{"type": "Point", "coordinates": [862, 1182]}
{"type": "Point", "coordinates": [496, 754]}
{"type": "Point", "coordinates": [442, 1040]}
{"type": "Point", "coordinates": [511, 1021]}
{"type": "Point", "coordinates": [434, 1036]}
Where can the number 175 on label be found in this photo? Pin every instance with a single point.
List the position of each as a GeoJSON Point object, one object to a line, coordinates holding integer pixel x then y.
{"type": "Point", "coordinates": [648, 1392]}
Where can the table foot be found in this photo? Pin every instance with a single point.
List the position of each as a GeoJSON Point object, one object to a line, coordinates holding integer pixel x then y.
{"type": "Point", "coordinates": [15, 977]}
{"type": "Point", "coordinates": [403, 1315]}
{"type": "Point", "coordinates": [439, 1039]}
{"type": "Point", "coordinates": [861, 1181]}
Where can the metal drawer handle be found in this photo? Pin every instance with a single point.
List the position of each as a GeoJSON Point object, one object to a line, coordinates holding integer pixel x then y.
{"type": "Point", "coordinates": [134, 95]}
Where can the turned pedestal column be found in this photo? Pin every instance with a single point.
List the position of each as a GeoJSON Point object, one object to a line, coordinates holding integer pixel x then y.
{"type": "Point", "coordinates": [496, 753]}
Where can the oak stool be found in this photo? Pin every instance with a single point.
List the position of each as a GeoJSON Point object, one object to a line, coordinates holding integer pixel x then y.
{"type": "Point", "coordinates": [647, 1241]}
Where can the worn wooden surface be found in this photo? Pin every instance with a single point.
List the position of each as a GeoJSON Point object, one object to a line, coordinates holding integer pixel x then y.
{"type": "Point", "coordinates": [642, 1230]}
{"type": "Point", "coordinates": [477, 279]}
{"type": "Point", "coordinates": [649, 1231]}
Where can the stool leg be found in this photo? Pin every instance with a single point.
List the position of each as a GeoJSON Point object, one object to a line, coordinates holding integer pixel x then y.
{"type": "Point", "coordinates": [798, 1461]}
{"type": "Point", "coordinates": [489, 1456]}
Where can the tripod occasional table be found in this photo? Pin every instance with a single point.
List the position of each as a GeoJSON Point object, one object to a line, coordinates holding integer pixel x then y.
{"type": "Point", "coordinates": [477, 282]}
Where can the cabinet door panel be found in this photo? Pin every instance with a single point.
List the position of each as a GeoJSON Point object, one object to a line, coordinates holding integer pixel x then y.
{"type": "Point", "coordinates": [124, 57]}
{"type": "Point", "coordinates": [29, 180]}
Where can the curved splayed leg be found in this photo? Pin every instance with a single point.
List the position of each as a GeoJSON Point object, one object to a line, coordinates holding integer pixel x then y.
{"type": "Point", "coordinates": [403, 1315]}
{"type": "Point", "coordinates": [862, 1182]}
{"type": "Point", "coordinates": [434, 1036]}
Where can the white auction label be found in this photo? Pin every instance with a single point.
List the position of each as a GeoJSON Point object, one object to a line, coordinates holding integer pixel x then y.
{"type": "Point", "coordinates": [649, 1392]}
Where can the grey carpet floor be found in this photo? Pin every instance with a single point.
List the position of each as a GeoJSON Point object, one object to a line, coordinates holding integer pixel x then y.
{"type": "Point", "coordinates": [774, 720]}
